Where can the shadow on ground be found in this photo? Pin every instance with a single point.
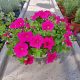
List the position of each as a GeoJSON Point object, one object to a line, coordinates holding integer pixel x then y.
{"type": "Point", "coordinates": [47, 6]}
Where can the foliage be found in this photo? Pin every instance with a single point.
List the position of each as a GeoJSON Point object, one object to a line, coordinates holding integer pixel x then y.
{"type": "Point", "coordinates": [5, 21]}
{"type": "Point", "coordinates": [78, 3]}
{"type": "Point", "coordinates": [9, 5]}
{"type": "Point", "coordinates": [21, 0]}
{"type": "Point", "coordinates": [70, 6]}
{"type": "Point", "coordinates": [1, 45]}
{"type": "Point", "coordinates": [60, 1]}
{"type": "Point", "coordinates": [44, 35]}
{"type": "Point", "coordinates": [77, 16]}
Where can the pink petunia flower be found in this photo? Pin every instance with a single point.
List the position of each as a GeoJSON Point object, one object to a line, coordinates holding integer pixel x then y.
{"type": "Point", "coordinates": [64, 20]}
{"type": "Point", "coordinates": [47, 25]}
{"type": "Point", "coordinates": [67, 34]}
{"type": "Point", "coordinates": [29, 60]}
{"type": "Point", "coordinates": [7, 34]}
{"type": "Point", "coordinates": [51, 57]}
{"type": "Point", "coordinates": [41, 14]}
{"type": "Point", "coordinates": [45, 14]}
{"type": "Point", "coordinates": [58, 19]}
{"type": "Point", "coordinates": [18, 23]}
{"type": "Point", "coordinates": [25, 36]}
{"type": "Point", "coordinates": [20, 50]}
{"type": "Point", "coordinates": [53, 15]}
{"type": "Point", "coordinates": [48, 42]}
{"type": "Point", "coordinates": [36, 41]}
{"type": "Point", "coordinates": [68, 42]}
{"type": "Point", "coordinates": [68, 26]}
{"type": "Point", "coordinates": [36, 15]}
{"type": "Point", "coordinates": [75, 32]}
{"type": "Point", "coordinates": [27, 25]}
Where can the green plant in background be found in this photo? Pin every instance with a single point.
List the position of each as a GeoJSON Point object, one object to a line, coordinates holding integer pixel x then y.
{"type": "Point", "coordinates": [15, 4]}
{"type": "Point", "coordinates": [9, 5]}
{"type": "Point", "coordinates": [9, 18]}
{"type": "Point", "coordinates": [6, 17]}
{"type": "Point", "coordinates": [2, 29]}
{"type": "Point", "coordinates": [21, 0]}
{"type": "Point", "coordinates": [0, 9]}
{"type": "Point", "coordinates": [60, 1]}
{"type": "Point", "coordinates": [1, 15]}
{"type": "Point", "coordinates": [70, 6]}
{"type": "Point", "coordinates": [5, 21]}
{"type": "Point", "coordinates": [5, 5]}
{"type": "Point", "coordinates": [78, 3]}
{"type": "Point", "coordinates": [77, 16]}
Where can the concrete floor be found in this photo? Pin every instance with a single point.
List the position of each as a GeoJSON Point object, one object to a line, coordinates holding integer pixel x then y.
{"type": "Point", "coordinates": [67, 70]}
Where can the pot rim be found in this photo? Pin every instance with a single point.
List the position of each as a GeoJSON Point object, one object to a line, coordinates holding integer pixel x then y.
{"type": "Point", "coordinates": [73, 22]}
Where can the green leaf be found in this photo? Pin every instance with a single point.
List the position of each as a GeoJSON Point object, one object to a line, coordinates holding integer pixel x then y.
{"type": "Point", "coordinates": [21, 60]}
{"type": "Point", "coordinates": [10, 51]}
{"type": "Point", "coordinates": [37, 52]}
{"type": "Point", "coordinates": [2, 29]}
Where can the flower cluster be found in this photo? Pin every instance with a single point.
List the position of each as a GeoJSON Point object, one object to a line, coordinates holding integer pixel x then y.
{"type": "Point", "coordinates": [45, 35]}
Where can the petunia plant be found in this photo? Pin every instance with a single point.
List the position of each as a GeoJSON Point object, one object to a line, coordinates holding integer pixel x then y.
{"type": "Point", "coordinates": [45, 35]}
{"type": "Point", "coordinates": [5, 21]}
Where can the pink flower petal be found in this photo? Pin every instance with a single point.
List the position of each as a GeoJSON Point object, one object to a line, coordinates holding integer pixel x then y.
{"type": "Point", "coordinates": [37, 41]}
{"type": "Point", "coordinates": [29, 60]}
{"type": "Point", "coordinates": [20, 50]}
{"type": "Point", "coordinates": [25, 36]}
{"type": "Point", "coordinates": [18, 23]}
{"type": "Point", "coordinates": [47, 25]}
{"type": "Point", "coordinates": [48, 43]}
{"type": "Point", "coordinates": [51, 57]}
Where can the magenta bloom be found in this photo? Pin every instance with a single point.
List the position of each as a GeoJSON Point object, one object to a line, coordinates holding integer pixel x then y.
{"type": "Point", "coordinates": [37, 15]}
{"type": "Point", "coordinates": [68, 27]}
{"type": "Point", "coordinates": [51, 57]}
{"type": "Point", "coordinates": [36, 41]}
{"type": "Point", "coordinates": [27, 25]}
{"type": "Point", "coordinates": [20, 50]}
{"type": "Point", "coordinates": [58, 19]}
{"type": "Point", "coordinates": [29, 60]}
{"type": "Point", "coordinates": [45, 14]}
{"type": "Point", "coordinates": [41, 14]}
{"type": "Point", "coordinates": [64, 20]}
{"type": "Point", "coordinates": [47, 25]}
{"type": "Point", "coordinates": [48, 42]}
{"type": "Point", "coordinates": [67, 34]}
{"type": "Point", "coordinates": [18, 23]}
{"type": "Point", "coordinates": [68, 42]}
{"type": "Point", "coordinates": [25, 36]}
{"type": "Point", "coordinates": [53, 15]}
{"type": "Point", "coordinates": [75, 32]}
